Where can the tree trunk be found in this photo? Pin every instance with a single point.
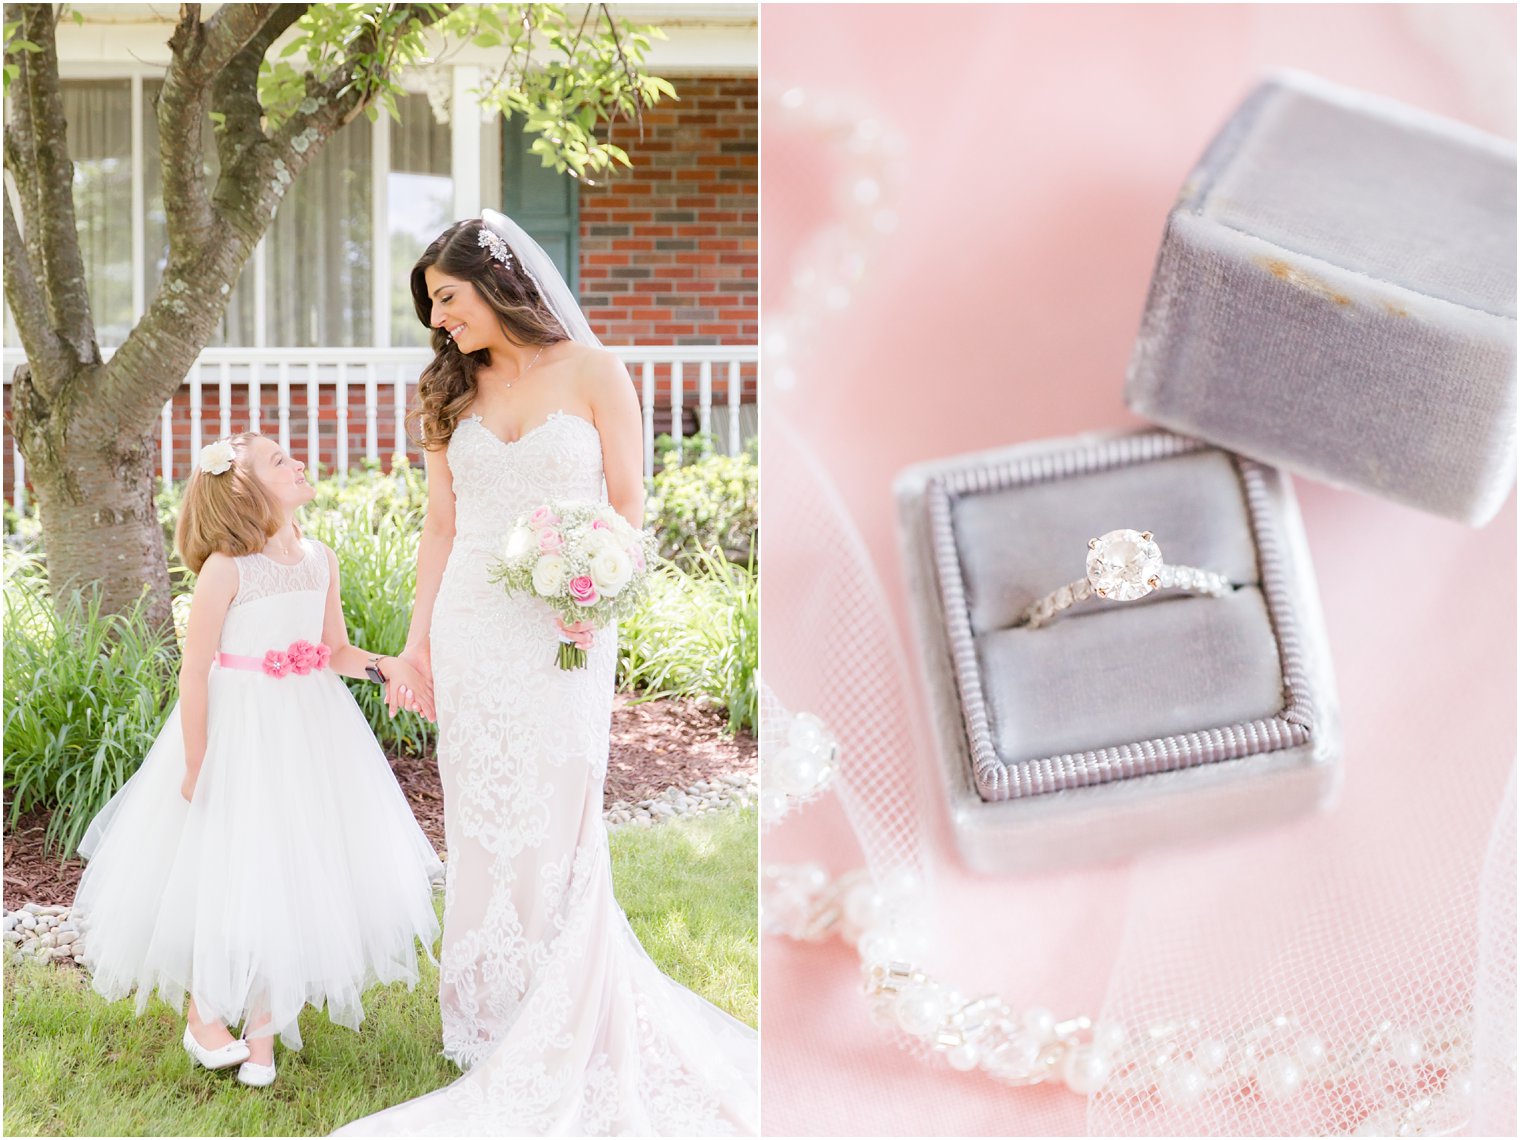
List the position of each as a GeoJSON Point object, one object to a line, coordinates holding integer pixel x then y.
{"type": "Point", "coordinates": [95, 498]}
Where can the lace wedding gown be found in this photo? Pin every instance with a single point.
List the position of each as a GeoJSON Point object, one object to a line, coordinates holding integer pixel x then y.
{"type": "Point", "coordinates": [563, 1022]}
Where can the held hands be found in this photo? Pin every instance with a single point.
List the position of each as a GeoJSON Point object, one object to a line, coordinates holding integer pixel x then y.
{"type": "Point", "coordinates": [410, 685]}
{"type": "Point", "coordinates": [579, 633]}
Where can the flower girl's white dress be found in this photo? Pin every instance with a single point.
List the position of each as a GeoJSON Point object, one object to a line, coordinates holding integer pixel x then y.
{"type": "Point", "coordinates": [298, 874]}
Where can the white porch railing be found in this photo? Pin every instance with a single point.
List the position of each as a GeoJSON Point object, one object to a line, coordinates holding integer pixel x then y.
{"type": "Point", "coordinates": [707, 378]}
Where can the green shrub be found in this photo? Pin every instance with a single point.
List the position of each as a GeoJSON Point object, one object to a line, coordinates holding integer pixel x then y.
{"type": "Point", "coordinates": [704, 501]}
{"type": "Point", "coordinates": [373, 525]}
{"type": "Point", "coordinates": [697, 634]}
{"type": "Point", "coordinates": [85, 696]}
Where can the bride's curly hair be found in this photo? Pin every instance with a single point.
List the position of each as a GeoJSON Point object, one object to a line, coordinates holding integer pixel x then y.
{"type": "Point", "coordinates": [447, 385]}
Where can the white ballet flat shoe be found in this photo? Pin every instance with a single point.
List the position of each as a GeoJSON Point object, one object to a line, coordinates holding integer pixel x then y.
{"type": "Point", "coordinates": [232, 1053]}
{"type": "Point", "coordinates": [256, 1076]}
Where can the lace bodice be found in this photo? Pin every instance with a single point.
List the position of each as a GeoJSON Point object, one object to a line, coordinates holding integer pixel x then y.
{"type": "Point", "coordinates": [276, 604]}
{"type": "Point", "coordinates": [495, 481]}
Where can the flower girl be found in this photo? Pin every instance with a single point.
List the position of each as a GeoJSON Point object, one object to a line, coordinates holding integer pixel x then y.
{"type": "Point", "coordinates": [263, 857]}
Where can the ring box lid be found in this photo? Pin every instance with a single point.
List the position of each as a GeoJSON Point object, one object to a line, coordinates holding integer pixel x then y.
{"type": "Point", "coordinates": [1335, 294]}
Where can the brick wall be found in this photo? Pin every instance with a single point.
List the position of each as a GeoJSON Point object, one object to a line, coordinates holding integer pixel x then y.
{"type": "Point", "coordinates": [670, 249]}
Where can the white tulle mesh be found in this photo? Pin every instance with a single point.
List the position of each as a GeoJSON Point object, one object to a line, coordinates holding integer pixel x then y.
{"type": "Point", "coordinates": [831, 649]}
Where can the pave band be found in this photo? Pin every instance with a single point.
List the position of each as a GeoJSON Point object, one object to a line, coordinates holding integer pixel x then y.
{"type": "Point", "coordinates": [1123, 565]}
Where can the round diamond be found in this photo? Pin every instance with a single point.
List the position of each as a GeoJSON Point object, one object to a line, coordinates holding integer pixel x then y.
{"type": "Point", "coordinates": [1123, 565]}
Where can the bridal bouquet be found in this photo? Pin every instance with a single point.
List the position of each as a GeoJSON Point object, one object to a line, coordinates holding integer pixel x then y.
{"type": "Point", "coordinates": [584, 561]}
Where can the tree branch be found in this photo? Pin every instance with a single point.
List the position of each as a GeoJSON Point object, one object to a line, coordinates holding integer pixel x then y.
{"type": "Point", "coordinates": [235, 92]}
{"type": "Point", "coordinates": [47, 186]}
{"type": "Point", "coordinates": [200, 51]}
{"type": "Point", "coordinates": [48, 355]}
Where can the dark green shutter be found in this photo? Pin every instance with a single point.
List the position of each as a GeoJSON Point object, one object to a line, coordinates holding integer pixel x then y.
{"type": "Point", "coordinates": [542, 201]}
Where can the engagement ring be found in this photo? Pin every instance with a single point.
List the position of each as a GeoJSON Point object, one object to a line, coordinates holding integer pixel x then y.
{"type": "Point", "coordinates": [1124, 565]}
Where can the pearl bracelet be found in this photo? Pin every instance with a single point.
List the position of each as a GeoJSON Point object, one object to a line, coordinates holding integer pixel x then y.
{"type": "Point", "coordinates": [1174, 1062]}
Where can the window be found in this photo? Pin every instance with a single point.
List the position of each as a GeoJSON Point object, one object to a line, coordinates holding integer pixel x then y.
{"type": "Point", "coordinates": [420, 205]}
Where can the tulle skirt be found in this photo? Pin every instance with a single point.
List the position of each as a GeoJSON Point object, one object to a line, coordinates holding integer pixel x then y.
{"type": "Point", "coordinates": [297, 876]}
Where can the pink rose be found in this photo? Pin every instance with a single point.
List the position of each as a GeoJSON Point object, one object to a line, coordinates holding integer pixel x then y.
{"type": "Point", "coordinates": [543, 517]}
{"type": "Point", "coordinates": [637, 554]}
{"type": "Point", "coordinates": [550, 541]}
{"type": "Point", "coordinates": [583, 590]}
{"type": "Point", "coordinates": [303, 657]}
{"type": "Point", "coordinates": [276, 664]}
{"type": "Point", "coordinates": [599, 524]}
{"type": "Point", "coordinates": [324, 655]}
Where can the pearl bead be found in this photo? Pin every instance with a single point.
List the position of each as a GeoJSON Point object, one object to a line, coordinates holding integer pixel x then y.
{"type": "Point", "coordinates": [864, 905]}
{"type": "Point", "coordinates": [793, 98]}
{"type": "Point", "coordinates": [1278, 1076]}
{"type": "Point", "coordinates": [772, 803]}
{"type": "Point", "coordinates": [1375, 1126]}
{"type": "Point", "coordinates": [919, 1010]}
{"type": "Point", "coordinates": [794, 771]}
{"type": "Point", "coordinates": [867, 191]}
{"type": "Point", "coordinates": [1108, 1036]}
{"type": "Point", "coordinates": [1084, 1071]}
{"type": "Point", "coordinates": [1310, 1051]}
{"type": "Point", "coordinates": [807, 732]}
{"type": "Point", "coordinates": [1210, 1055]}
{"type": "Point", "coordinates": [1405, 1048]}
{"type": "Point", "coordinates": [1182, 1083]}
{"type": "Point", "coordinates": [963, 1057]}
{"type": "Point", "coordinates": [1039, 1022]}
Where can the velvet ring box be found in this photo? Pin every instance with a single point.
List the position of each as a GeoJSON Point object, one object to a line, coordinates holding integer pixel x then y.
{"type": "Point", "coordinates": [1334, 295]}
{"type": "Point", "coordinates": [1117, 725]}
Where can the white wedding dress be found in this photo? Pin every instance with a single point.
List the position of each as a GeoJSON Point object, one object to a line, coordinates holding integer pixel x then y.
{"type": "Point", "coordinates": [565, 1025]}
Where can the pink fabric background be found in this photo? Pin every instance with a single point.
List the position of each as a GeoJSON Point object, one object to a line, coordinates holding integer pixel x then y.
{"type": "Point", "coordinates": [1045, 146]}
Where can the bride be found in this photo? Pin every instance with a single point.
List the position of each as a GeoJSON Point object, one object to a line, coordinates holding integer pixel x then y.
{"type": "Point", "coordinates": [562, 1022]}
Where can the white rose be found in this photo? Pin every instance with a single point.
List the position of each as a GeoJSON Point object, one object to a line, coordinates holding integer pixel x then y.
{"type": "Point", "coordinates": [519, 542]}
{"type": "Point", "coordinates": [216, 458]}
{"type": "Point", "coordinates": [610, 570]}
{"type": "Point", "coordinates": [549, 575]}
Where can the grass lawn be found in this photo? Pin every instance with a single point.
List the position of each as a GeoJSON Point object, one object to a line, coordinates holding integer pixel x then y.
{"type": "Point", "coordinates": [76, 1065]}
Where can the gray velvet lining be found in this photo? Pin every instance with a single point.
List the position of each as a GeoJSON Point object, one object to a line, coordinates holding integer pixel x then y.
{"type": "Point", "coordinates": [1111, 690]}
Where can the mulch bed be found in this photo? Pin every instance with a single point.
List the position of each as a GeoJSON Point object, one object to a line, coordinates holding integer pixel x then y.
{"type": "Point", "coordinates": [655, 745]}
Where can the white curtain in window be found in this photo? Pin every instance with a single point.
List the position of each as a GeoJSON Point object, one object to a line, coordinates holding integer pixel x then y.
{"type": "Point", "coordinates": [420, 189]}
{"type": "Point", "coordinates": [99, 116]}
{"type": "Point", "coordinates": [319, 249]}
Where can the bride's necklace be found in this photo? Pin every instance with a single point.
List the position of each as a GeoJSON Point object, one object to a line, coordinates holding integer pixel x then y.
{"type": "Point", "coordinates": [528, 369]}
{"type": "Point", "coordinates": [286, 551]}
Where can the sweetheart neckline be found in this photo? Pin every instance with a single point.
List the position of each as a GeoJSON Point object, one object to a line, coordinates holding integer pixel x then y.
{"type": "Point", "coordinates": [479, 420]}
